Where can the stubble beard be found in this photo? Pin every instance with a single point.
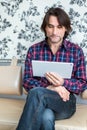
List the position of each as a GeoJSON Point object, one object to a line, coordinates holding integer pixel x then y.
{"type": "Point", "coordinates": [55, 41]}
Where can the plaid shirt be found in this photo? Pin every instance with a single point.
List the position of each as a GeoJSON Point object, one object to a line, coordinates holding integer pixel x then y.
{"type": "Point", "coordinates": [68, 52]}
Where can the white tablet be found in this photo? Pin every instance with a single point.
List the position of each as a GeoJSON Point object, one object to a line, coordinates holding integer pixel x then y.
{"type": "Point", "coordinates": [64, 69]}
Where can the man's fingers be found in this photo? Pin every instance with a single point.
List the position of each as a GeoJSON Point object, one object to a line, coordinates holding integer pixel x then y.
{"type": "Point", "coordinates": [48, 78]}
{"type": "Point", "coordinates": [52, 79]}
{"type": "Point", "coordinates": [63, 92]}
{"type": "Point", "coordinates": [56, 76]}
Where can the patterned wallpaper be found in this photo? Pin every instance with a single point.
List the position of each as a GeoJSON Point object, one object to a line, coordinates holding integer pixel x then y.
{"type": "Point", "coordinates": [20, 22]}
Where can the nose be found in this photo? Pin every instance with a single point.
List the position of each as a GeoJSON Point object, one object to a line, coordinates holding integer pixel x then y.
{"type": "Point", "coordinates": [55, 30]}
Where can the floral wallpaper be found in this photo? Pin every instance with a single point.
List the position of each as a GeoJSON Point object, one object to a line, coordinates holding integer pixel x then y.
{"type": "Point", "coordinates": [20, 22]}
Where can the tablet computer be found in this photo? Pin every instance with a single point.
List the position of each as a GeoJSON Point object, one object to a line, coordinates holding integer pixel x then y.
{"type": "Point", "coordinates": [64, 69]}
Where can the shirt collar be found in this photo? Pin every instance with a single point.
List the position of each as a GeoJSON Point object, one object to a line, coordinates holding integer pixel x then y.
{"type": "Point", "coordinates": [64, 44]}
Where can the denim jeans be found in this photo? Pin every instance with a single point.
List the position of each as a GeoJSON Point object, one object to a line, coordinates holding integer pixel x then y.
{"type": "Point", "coordinates": [43, 107]}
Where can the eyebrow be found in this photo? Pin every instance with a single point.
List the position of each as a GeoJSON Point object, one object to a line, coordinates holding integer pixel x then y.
{"type": "Point", "coordinates": [53, 25]}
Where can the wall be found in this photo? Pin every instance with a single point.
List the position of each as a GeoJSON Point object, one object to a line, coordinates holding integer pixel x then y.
{"type": "Point", "coordinates": [20, 22]}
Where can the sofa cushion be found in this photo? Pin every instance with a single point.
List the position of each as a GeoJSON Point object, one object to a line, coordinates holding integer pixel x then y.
{"type": "Point", "coordinates": [11, 79]}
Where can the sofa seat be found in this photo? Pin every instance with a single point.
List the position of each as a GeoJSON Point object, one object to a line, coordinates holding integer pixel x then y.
{"type": "Point", "coordinates": [77, 122]}
{"type": "Point", "coordinates": [11, 109]}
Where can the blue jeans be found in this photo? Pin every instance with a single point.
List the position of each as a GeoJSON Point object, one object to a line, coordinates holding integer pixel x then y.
{"type": "Point", "coordinates": [43, 107]}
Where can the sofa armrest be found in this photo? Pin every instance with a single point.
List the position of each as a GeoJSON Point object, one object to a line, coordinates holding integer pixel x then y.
{"type": "Point", "coordinates": [84, 94]}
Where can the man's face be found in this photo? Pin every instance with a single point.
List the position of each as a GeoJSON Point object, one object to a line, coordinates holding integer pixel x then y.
{"type": "Point", "coordinates": [54, 31]}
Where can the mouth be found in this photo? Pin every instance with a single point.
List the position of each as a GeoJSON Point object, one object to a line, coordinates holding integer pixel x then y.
{"type": "Point", "coordinates": [56, 37]}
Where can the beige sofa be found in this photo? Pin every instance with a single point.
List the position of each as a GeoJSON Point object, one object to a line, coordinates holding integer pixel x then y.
{"type": "Point", "coordinates": [11, 107]}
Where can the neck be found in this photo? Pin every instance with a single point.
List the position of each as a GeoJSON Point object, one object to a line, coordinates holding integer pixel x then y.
{"type": "Point", "coordinates": [54, 47]}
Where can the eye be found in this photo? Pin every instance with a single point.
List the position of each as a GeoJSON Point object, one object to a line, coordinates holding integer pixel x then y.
{"type": "Point", "coordinates": [50, 26]}
{"type": "Point", "coordinates": [59, 26]}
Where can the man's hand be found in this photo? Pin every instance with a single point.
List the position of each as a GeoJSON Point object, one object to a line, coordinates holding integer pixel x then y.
{"type": "Point", "coordinates": [54, 79]}
{"type": "Point", "coordinates": [57, 85]}
{"type": "Point", "coordinates": [62, 91]}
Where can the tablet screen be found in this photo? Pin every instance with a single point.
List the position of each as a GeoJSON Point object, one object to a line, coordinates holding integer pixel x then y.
{"type": "Point", "coordinates": [64, 69]}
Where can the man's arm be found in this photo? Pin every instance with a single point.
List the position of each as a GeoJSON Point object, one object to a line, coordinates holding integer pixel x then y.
{"type": "Point", "coordinates": [77, 82]}
{"type": "Point", "coordinates": [28, 80]}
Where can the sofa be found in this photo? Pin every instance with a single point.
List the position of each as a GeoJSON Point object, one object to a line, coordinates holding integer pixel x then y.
{"type": "Point", "coordinates": [11, 107]}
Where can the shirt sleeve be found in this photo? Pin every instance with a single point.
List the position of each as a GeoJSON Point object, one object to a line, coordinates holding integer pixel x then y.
{"type": "Point", "coordinates": [28, 80]}
{"type": "Point", "coordinates": [77, 83]}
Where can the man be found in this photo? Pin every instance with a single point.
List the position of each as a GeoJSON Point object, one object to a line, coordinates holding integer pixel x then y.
{"type": "Point", "coordinates": [51, 97]}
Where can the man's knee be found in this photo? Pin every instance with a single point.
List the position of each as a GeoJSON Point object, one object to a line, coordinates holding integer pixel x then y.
{"type": "Point", "coordinates": [48, 116]}
{"type": "Point", "coordinates": [34, 92]}
{"type": "Point", "coordinates": [48, 120]}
